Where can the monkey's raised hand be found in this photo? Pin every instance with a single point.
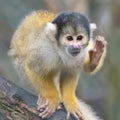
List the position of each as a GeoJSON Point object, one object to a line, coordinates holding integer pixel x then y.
{"type": "Point", "coordinates": [97, 52]}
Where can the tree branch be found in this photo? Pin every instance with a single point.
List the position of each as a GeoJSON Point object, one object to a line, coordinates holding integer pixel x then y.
{"type": "Point", "coordinates": [18, 104]}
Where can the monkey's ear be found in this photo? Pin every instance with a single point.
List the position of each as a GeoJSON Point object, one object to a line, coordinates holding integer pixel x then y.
{"type": "Point", "coordinates": [50, 27]}
{"type": "Point", "coordinates": [93, 27]}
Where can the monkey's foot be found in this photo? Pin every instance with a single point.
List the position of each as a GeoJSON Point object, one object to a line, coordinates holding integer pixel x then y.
{"type": "Point", "coordinates": [73, 109]}
{"type": "Point", "coordinates": [46, 106]}
{"type": "Point", "coordinates": [97, 52]}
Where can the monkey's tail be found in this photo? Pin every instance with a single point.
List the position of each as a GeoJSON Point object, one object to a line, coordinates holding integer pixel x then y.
{"type": "Point", "coordinates": [87, 112]}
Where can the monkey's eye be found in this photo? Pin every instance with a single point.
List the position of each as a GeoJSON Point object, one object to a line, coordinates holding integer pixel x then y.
{"type": "Point", "coordinates": [69, 38]}
{"type": "Point", "coordinates": [80, 37]}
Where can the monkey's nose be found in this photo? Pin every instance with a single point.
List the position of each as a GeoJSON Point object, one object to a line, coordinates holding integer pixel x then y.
{"type": "Point", "coordinates": [74, 51]}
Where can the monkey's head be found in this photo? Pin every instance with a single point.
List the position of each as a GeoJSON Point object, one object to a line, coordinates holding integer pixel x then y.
{"type": "Point", "coordinates": [72, 32]}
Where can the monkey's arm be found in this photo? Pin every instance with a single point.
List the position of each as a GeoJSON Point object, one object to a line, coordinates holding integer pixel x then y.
{"type": "Point", "coordinates": [73, 105]}
{"type": "Point", "coordinates": [95, 56]}
{"type": "Point", "coordinates": [67, 87]}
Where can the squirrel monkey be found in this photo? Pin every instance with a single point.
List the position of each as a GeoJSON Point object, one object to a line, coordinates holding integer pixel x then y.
{"type": "Point", "coordinates": [50, 50]}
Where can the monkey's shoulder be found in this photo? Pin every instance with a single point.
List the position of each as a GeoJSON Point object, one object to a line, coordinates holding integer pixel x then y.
{"type": "Point", "coordinates": [37, 18]}
{"type": "Point", "coordinates": [30, 24]}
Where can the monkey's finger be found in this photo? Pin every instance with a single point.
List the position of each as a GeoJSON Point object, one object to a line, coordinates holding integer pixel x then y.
{"type": "Point", "coordinates": [68, 116]}
{"type": "Point", "coordinates": [49, 112]}
{"type": "Point", "coordinates": [42, 101]}
{"type": "Point", "coordinates": [46, 112]}
{"type": "Point", "coordinates": [38, 99]}
{"type": "Point", "coordinates": [44, 104]}
{"type": "Point", "coordinates": [39, 106]}
{"type": "Point", "coordinates": [78, 111]}
{"type": "Point", "coordinates": [104, 42]}
{"type": "Point", "coordinates": [100, 39]}
{"type": "Point", "coordinates": [76, 115]}
{"type": "Point", "coordinates": [80, 115]}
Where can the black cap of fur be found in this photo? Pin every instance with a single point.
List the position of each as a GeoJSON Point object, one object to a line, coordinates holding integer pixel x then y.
{"type": "Point", "coordinates": [74, 19]}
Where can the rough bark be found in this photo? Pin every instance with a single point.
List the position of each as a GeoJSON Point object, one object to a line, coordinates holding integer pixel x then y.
{"type": "Point", "coordinates": [18, 104]}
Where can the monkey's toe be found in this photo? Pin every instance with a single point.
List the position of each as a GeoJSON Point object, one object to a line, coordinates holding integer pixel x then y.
{"type": "Point", "coordinates": [74, 110]}
{"type": "Point", "coordinates": [48, 111]}
{"type": "Point", "coordinates": [41, 101]}
{"type": "Point", "coordinates": [46, 107]}
{"type": "Point", "coordinates": [76, 113]}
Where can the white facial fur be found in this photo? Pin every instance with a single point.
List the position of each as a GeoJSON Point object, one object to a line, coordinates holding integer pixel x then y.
{"type": "Point", "coordinates": [70, 61]}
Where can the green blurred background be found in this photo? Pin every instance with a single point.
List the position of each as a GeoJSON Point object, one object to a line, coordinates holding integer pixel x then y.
{"type": "Point", "coordinates": [101, 91]}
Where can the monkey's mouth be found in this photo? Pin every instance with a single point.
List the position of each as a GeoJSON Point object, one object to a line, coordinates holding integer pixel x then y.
{"type": "Point", "coordinates": [74, 52]}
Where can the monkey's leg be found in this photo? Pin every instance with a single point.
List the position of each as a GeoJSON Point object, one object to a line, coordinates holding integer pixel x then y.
{"type": "Point", "coordinates": [48, 98]}
{"type": "Point", "coordinates": [96, 55]}
{"type": "Point", "coordinates": [68, 85]}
